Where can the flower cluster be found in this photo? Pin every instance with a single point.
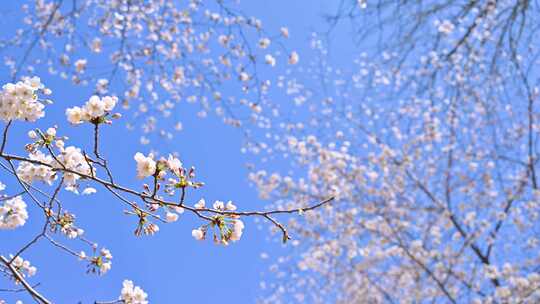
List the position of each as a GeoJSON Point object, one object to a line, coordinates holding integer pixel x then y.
{"type": "Point", "coordinates": [13, 213]}
{"type": "Point", "coordinates": [145, 227]}
{"type": "Point", "coordinates": [23, 266]}
{"type": "Point", "coordinates": [66, 223]}
{"type": "Point", "coordinates": [218, 205]}
{"type": "Point", "coordinates": [147, 166]}
{"type": "Point", "coordinates": [20, 101]}
{"type": "Point", "coordinates": [70, 159]}
{"type": "Point", "coordinates": [50, 160]}
{"type": "Point", "coordinates": [30, 172]}
{"type": "Point", "coordinates": [445, 27]}
{"type": "Point", "coordinates": [100, 263]}
{"type": "Point", "coordinates": [132, 294]}
{"type": "Point", "coordinates": [229, 227]}
{"type": "Point", "coordinates": [95, 110]}
{"type": "Point", "coordinates": [228, 230]}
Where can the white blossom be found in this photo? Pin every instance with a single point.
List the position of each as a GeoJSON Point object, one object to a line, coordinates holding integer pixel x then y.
{"type": "Point", "coordinates": [244, 76]}
{"type": "Point", "coordinates": [362, 3]}
{"type": "Point", "coordinates": [230, 206]}
{"type": "Point", "coordinates": [270, 60]}
{"type": "Point", "coordinates": [75, 115]}
{"type": "Point", "coordinates": [171, 217]}
{"type": "Point", "coordinates": [146, 166]}
{"type": "Point", "coordinates": [198, 234]}
{"type": "Point", "coordinates": [72, 159]}
{"type": "Point", "coordinates": [80, 65]}
{"type": "Point", "coordinates": [218, 205]}
{"type": "Point", "coordinates": [23, 266]}
{"type": "Point", "coordinates": [264, 43]}
{"type": "Point", "coordinates": [284, 32]}
{"type": "Point", "coordinates": [132, 294]}
{"type": "Point", "coordinates": [238, 228]}
{"type": "Point", "coordinates": [29, 172]}
{"type": "Point", "coordinates": [294, 58]}
{"type": "Point", "coordinates": [94, 108]}
{"type": "Point", "coordinates": [174, 163]}
{"type": "Point", "coordinates": [446, 27]}
{"type": "Point", "coordinates": [13, 213]}
{"type": "Point", "coordinates": [89, 190]}
{"type": "Point", "coordinates": [200, 204]}
{"type": "Point", "coordinates": [32, 134]}
{"type": "Point", "coordinates": [19, 101]}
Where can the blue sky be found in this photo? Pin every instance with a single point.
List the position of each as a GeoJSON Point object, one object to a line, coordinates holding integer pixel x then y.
{"type": "Point", "coordinates": [170, 266]}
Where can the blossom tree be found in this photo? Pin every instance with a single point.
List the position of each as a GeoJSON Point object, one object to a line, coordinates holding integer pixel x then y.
{"type": "Point", "coordinates": [429, 144]}
{"type": "Point", "coordinates": [50, 162]}
{"type": "Point", "coordinates": [145, 57]}
{"type": "Point", "coordinates": [425, 143]}
{"type": "Point", "coordinates": [161, 53]}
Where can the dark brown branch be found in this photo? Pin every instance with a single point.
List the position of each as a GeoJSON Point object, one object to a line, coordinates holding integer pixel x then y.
{"type": "Point", "coordinates": [19, 278]}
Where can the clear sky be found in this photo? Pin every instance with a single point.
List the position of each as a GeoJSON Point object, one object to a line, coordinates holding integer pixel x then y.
{"type": "Point", "coordinates": [170, 266]}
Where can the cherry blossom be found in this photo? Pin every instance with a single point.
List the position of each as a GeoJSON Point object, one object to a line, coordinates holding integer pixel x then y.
{"type": "Point", "coordinates": [179, 37]}
{"type": "Point", "coordinates": [60, 166]}
{"type": "Point", "coordinates": [20, 100]}
{"type": "Point", "coordinates": [294, 58]}
{"type": "Point", "coordinates": [132, 294]}
{"type": "Point", "coordinates": [13, 213]}
{"type": "Point", "coordinates": [146, 166]}
{"type": "Point", "coordinates": [198, 234]}
{"type": "Point", "coordinates": [94, 109]}
{"type": "Point", "coordinates": [446, 27]}
{"type": "Point", "coordinates": [23, 266]}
